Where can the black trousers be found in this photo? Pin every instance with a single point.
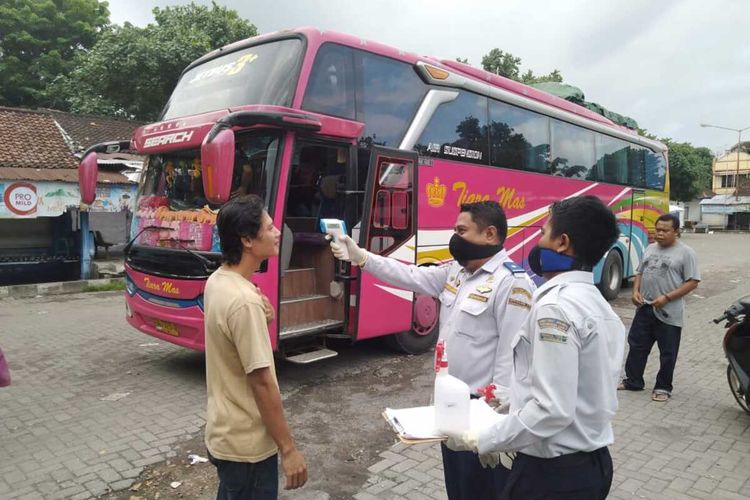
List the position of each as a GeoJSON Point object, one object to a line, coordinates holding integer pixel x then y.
{"type": "Point", "coordinates": [466, 479]}
{"type": "Point", "coordinates": [247, 481]}
{"type": "Point", "coordinates": [644, 331]}
{"type": "Point", "coordinates": [578, 476]}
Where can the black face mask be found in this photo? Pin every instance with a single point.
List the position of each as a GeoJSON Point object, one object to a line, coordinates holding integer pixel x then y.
{"type": "Point", "coordinates": [546, 260]}
{"type": "Point", "coordinates": [464, 251]}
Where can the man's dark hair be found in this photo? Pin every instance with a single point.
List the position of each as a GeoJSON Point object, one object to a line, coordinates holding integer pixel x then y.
{"type": "Point", "coordinates": [239, 218]}
{"type": "Point", "coordinates": [488, 213]}
{"type": "Point", "coordinates": [670, 218]}
{"type": "Point", "coordinates": [590, 225]}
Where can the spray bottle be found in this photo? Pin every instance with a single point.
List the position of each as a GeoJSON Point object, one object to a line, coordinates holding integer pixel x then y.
{"type": "Point", "coordinates": [451, 396]}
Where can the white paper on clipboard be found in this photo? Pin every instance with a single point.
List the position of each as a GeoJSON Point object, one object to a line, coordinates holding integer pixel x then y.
{"type": "Point", "coordinates": [418, 424]}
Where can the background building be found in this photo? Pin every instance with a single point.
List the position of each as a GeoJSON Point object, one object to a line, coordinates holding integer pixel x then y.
{"type": "Point", "coordinates": [730, 207]}
{"type": "Point", "coordinates": [39, 197]}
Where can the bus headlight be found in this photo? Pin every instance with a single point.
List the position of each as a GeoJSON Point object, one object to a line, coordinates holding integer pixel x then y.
{"type": "Point", "coordinates": [130, 286]}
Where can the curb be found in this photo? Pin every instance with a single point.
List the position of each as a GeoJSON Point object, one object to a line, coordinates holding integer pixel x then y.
{"type": "Point", "coordinates": [58, 288]}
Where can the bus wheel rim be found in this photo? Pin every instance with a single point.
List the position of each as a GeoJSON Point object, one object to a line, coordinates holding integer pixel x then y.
{"type": "Point", "coordinates": [425, 314]}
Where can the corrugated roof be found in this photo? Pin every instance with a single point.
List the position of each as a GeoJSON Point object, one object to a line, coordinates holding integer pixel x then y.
{"type": "Point", "coordinates": [726, 199]}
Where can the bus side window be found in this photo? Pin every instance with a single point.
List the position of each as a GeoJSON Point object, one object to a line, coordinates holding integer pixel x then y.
{"type": "Point", "coordinates": [572, 150]}
{"type": "Point", "coordinates": [636, 165]}
{"type": "Point", "coordinates": [656, 170]}
{"type": "Point", "coordinates": [519, 139]}
{"type": "Point", "coordinates": [611, 161]}
{"type": "Point", "coordinates": [330, 89]}
{"type": "Point", "coordinates": [458, 131]}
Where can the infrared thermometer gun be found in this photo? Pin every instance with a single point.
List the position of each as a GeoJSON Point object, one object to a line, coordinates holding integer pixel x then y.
{"type": "Point", "coordinates": [336, 228]}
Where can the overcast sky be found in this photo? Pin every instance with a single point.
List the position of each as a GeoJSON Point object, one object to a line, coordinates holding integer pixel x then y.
{"type": "Point", "coordinates": [670, 64]}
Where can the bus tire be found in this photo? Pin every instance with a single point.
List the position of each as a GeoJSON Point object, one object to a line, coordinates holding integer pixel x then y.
{"type": "Point", "coordinates": [612, 275]}
{"type": "Point", "coordinates": [425, 327]}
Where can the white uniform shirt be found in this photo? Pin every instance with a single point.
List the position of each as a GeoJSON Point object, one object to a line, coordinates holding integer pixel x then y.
{"type": "Point", "coordinates": [480, 312]}
{"type": "Point", "coordinates": [567, 361]}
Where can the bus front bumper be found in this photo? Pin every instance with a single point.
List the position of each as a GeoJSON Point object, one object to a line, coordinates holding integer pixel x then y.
{"type": "Point", "coordinates": [180, 326]}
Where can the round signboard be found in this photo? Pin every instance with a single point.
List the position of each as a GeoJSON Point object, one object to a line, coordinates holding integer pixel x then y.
{"type": "Point", "coordinates": [21, 198]}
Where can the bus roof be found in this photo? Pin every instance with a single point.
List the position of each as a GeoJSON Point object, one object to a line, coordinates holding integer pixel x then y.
{"type": "Point", "coordinates": [316, 37]}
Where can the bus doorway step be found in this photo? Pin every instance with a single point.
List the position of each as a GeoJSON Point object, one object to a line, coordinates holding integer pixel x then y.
{"type": "Point", "coordinates": [310, 329]}
{"type": "Point", "coordinates": [317, 354]}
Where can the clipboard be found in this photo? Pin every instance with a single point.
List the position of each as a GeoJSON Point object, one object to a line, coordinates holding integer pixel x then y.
{"type": "Point", "coordinates": [417, 425]}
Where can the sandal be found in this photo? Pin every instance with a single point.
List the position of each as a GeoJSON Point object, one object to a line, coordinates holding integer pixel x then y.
{"type": "Point", "coordinates": [622, 386]}
{"type": "Point", "coordinates": [660, 397]}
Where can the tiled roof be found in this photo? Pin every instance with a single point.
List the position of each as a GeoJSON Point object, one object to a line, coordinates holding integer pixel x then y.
{"type": "Point", "coordinates": [39, 140]}
{"type": "Point", "coordinates": [32, 139]}
{"type": "Point", "coordinates": [87, 130]}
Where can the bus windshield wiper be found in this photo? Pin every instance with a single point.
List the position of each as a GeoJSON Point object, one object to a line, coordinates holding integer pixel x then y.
{"type": "Point", "coordinates": [208, 265]}
{"type": "Point", "coordinates": [126, 250]}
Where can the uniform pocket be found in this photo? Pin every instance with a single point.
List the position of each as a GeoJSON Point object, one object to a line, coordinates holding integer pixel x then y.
{"type": "Point", "coordinates": [476, 320]}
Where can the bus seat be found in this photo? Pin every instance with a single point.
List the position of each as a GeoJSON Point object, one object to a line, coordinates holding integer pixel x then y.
{"type": "Point", "coordinates": [287, 242]}
{"type": "Point", "coordinates": [329, 203]}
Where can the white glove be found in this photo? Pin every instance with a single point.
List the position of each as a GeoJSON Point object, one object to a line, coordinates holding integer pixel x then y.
{"type": "Point", "coordinates": [356, 255]}
{"type": "Point", "coordinates": [496, 458]}
{"type": "Point", "coordinates": [465, 441]}
{"type": "Point", "coordinates": [469, 441]}
{"type": "Point", "coordinates": [500, 406]}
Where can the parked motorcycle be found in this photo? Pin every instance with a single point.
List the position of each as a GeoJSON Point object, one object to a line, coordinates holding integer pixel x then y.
{"type": "Point", "coordinates": [737, 350]}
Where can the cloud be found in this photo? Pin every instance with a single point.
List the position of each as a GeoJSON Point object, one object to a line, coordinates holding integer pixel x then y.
{"type": "Point", "coordinates": [670, 64]}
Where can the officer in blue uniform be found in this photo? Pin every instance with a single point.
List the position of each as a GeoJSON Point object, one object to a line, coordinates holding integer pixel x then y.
{"type": "Point", "coordinates": [485, 297]}
{"type": "Point", "coordinates": [567, 359]}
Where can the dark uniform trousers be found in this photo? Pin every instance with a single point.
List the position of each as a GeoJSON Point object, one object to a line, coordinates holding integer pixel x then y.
{"type": "Point", "coordinates": [466, 479]}
{"type": "Point", "coordinates": [578, 476]}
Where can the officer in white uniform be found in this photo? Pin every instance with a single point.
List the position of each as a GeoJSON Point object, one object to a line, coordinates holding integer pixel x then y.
{"type": "Point", "coordinates": [567, 360]}
{"type": "Point", "coordinates": [485, 298]}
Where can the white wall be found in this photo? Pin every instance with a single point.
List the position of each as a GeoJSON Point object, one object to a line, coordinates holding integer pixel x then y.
{"type": "Point", "coordinates": [715, 219]}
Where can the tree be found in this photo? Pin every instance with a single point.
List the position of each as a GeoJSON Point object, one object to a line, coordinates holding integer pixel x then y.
{"type": "Point", "coordinates": [507, 65]}
{"type": "Point", "coordinates": [689, 170]}
{"type": "Point", "coordinates": [528, 78]}
{"type": "Point", "coordinates": [131, 71]}
{"type": "Point", "coordinates": [39, 40]}
{"type": "Point", "coordinates": [501, 63]}
{"type": "Point", "coordinates": [464, 60]}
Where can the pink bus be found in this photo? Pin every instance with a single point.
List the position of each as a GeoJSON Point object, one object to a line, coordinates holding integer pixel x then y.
{"type": "Point", "coordinates": [326, 125]}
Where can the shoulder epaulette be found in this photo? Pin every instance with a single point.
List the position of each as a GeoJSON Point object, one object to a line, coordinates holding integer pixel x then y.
{"type": "Point", "coordinates": [514, 268]}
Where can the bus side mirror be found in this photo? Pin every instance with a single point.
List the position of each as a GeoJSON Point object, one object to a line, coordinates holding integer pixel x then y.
{"type": "Point", "coordinates": [87, 173]}
{"type": "Point", "coordinates": [217, 163]}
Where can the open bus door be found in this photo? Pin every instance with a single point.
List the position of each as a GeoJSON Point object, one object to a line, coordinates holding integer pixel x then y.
{"type": "Point", "coordinates": [389, 228]}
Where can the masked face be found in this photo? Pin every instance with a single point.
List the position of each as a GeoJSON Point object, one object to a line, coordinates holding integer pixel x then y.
{"type": "Point", "coordinates": [545, 260]}
{"type": "Point", "coordinates": [548, 257]}
{"type": "Point", "coordinates": [472, 243]}
{"type": "Point", "coordinates": [463, 250]}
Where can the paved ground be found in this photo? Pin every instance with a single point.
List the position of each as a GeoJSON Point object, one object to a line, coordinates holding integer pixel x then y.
{"type": "Point", "coordinates": [94, 403]}
{"type": "Point", "coordinates": [695, 446]}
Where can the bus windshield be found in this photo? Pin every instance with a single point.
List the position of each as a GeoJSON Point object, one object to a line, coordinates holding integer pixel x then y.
{"type": "Point", "coordinates": [171, 191]}
{"type": "Point", "coordinates": [263, 74]}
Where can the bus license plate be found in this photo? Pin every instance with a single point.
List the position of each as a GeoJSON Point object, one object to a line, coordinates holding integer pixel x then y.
{"type": "Point", "coordinates": [166, 327]}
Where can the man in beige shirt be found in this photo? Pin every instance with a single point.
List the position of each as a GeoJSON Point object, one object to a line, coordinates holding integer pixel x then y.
{"type": "Point", "coordinates": [245, 425]}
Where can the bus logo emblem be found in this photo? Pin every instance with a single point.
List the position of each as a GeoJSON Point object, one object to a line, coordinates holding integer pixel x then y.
{"type": "Point", "coordinates": [436, 193]}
